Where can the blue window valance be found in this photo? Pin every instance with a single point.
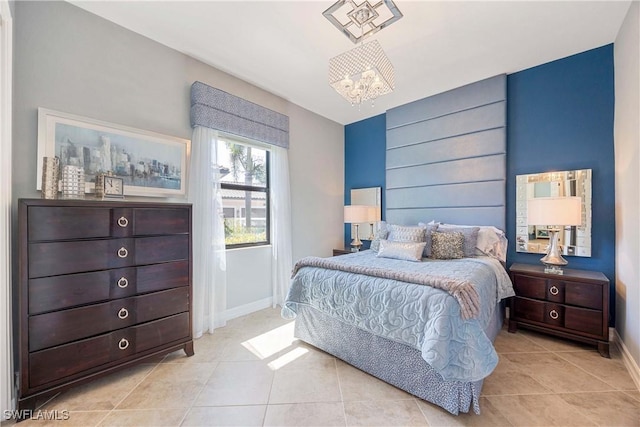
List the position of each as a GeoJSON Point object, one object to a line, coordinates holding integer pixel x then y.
{"type": "Point", "coordinates": [217, 109]}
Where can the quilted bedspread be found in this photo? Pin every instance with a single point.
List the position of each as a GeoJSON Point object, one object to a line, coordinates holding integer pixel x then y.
{"type": "Point", "coordinates": [425, 318]}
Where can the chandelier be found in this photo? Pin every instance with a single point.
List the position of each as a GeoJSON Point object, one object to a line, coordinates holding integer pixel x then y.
{"type": "Point", "coordinates": [363, 73]}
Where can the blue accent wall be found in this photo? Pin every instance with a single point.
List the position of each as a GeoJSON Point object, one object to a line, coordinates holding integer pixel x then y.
{"type": "Point", "coordinates": [560, 117]}
{"type": "Point", "coordinates": [365, 145]}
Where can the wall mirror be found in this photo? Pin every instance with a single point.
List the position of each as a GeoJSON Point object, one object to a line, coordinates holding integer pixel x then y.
{"type": "Point", "coordinates": [535, 239]}
{"type": "Point", "coordinates": [366, 196]}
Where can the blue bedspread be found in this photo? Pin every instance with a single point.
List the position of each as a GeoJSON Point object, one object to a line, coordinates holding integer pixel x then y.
{"type": "Point", "coordinates": [422, 317]}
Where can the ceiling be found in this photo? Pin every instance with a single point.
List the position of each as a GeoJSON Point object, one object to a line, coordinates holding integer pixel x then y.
{"type": "Point", "coordinates": [284, 46]}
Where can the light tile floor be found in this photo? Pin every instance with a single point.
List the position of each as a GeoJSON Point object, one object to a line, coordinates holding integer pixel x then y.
{"type": "Point", "coordinates": [253, 372]}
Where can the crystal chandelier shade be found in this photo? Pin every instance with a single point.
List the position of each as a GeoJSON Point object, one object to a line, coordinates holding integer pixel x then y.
{"type": "Point", "coordinates": [362, 74]}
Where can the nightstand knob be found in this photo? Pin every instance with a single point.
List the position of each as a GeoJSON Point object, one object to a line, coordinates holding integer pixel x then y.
{"type": "Point", "coordinates": [553, 314]}
{"type": "Point", "coordinates": [123, 252]}
{"type": "Point", "coordinates": [554, 290]}
{"type": "Point", "coordinates": [123, 344]}
{"type": "Point", "coordinates": [123, 222]}
{"type": "Point", "coordinates": [123, 282]}
{"type": "Point", "coordinates": [123, 313]}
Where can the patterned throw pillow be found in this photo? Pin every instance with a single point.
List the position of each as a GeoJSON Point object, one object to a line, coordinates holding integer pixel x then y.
{"type": "Point", "coordinates": [407, 251]}
{"type": "Point", "coordinates": [381, 232]}
{"type": "Point", "coordinates": [447, 245]}
{"type": "Point", "coordinates": [405, 233]}
{"type": "Point", "coordinates": [470, 237]}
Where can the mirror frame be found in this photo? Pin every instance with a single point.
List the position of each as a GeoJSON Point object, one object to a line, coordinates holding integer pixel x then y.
{"type": "Point", "coordinates": [525, 189]}
{"type": "Point", "coordinates": [371, 196]}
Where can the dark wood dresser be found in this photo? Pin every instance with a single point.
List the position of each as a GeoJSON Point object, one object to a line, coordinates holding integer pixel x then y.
{"type": "Point", "coordinates": [102, 285]}
{"type": "Point", "coordinates": [574, 305]}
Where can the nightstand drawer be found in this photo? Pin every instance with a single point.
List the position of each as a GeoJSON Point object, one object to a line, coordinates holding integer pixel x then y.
{"type": "Point", "coordinates": [584, 295]}
{"type": "Point", "coordinates": [583, 320]}
{"type": "Point", "coordinates": [337, 252]}
{"type": "Point", "coordinates": [542, 312]}
{"type": "Point", "coordinates": [529, 309]}
{"type": "Point", "coordinates": [530, 287]}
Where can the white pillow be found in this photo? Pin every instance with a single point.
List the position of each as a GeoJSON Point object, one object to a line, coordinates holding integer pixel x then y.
{"type": "Point", "coordinates": [407, 251]}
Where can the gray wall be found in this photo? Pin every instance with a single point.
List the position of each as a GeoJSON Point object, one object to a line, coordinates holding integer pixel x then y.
{"type": "Point", "coordinates": [70, 60]}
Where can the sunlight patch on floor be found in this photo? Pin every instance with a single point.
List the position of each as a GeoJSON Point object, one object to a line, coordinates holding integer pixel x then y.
{"type": "Point", "coordinates": [271, 342]}
{"type": "Point", "coordinates": [287, 358]}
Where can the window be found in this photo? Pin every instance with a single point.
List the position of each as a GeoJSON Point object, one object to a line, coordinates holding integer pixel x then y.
{"type": "Point", "coordinates": [245, 192]}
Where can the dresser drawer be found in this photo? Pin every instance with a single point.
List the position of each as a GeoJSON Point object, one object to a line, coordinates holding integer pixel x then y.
{"type": "Point", "coordinates": [64, 223]}
{"type": "Point", "coordinates": [69, 223]}
{"type": "Point", "coordinates": [55, 258]}
{"type": "Point", "coordinates": [59, 362]}
{"type": "Point", "coordinates": [70, 290]}
{"type": "Point", "coordinates": [151, 250]}
{"type": "Point", "coordinates": [160, 221]}
{"type": "Point", "coordinates": [60, 327]}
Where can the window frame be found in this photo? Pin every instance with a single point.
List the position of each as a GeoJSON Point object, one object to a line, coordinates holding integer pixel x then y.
{"type": "Point", "coordinates": [243, 187]}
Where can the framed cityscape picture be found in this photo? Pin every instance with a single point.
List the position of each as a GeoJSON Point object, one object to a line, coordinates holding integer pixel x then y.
{"type": "Point", "coordinates": [149, 163]}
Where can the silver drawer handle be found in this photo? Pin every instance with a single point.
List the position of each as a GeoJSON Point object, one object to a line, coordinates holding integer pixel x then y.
{"type": "Point", "coordinates": [123, 313]}
{"type": "Point", "coordinates": [123, 344]}
{"type": "Point", "coordinates": [123, 222]}
{"type": "Point", "coordinates": [553, 314]}
{"type": "Point", "coordinates": [123, 282]}
{"type": "Point", "coordinates": [553, 290]}
{"type": "Point", "coordinates": [123, 252]}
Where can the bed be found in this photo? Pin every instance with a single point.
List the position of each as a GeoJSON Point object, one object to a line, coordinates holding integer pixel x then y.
{"type": "Point", "coordinates": [407, 334]}
{"type": "Point", "coordinates": [445, 160]}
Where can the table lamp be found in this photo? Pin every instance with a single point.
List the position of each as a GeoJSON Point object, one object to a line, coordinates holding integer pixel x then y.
{"type": "Point", "coordinates": [356, 214]}
{"type": "Point", "coordinates": [554, 212]}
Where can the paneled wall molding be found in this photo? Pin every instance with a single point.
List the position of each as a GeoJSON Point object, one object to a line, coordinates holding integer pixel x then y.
{"type": "Point", "coordinates": [217, 109]}
{"type": "Point", "coordinates": [453, 143]}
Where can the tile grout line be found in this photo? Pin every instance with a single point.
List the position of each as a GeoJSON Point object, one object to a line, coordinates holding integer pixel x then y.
{"type": "Point", "coordinates": [344, 409]}
{"type": "Point", "coordinates": [587, 372]}
{"type": "Point", "coordinates": [130, 391]}
{"type": "Point", "coordinates": [266, 407]}
{"type": "Point", "coordinates": [217, 363]}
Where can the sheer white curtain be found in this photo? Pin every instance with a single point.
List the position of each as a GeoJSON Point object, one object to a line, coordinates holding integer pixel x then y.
{"type": "Point", "coordinates": [280, 224]}
{"type": "Point", "coordinates": [209, 256]}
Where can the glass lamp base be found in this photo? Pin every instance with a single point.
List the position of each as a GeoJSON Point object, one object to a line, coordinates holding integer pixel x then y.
{"type": "Point", "coordinates": [553, 269]}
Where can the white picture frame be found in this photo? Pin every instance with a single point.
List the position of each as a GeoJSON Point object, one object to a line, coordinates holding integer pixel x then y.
{"type": "Point", "coordinates": [151, 164]}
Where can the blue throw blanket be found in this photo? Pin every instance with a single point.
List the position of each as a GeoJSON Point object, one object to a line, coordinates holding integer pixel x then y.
{"type": "Point", "coordinates": [419, 316]}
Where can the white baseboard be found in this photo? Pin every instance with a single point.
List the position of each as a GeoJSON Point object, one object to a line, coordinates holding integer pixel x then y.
{"type": "Point", "coordinates": [243, 310]}
{"type": "Point", "coordinates": [629, 362]}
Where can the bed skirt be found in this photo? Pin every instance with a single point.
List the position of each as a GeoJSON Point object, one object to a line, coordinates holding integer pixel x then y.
{"type": "Point", "coordinates": [392, 362]}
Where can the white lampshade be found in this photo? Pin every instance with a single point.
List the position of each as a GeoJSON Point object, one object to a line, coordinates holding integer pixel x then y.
{"type": "Point", "coordinates": [374, 213]}
{"type": "Point", "coordinates": [554, 211]}
{"type": "Point", "coordinates": [360, 213]}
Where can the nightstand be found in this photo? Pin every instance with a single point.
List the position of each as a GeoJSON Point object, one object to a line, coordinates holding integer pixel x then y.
{"type": "Point", "coordinates": [343, 251]}
{"type": "Point", "coordinates": [574, 305]}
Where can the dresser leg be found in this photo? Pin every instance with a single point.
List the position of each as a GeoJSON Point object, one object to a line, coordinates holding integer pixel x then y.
{"type": "Point", "coordinates": [513, 326]}
{"type": "Point", "coordinates": [603, 349]}
{"type": "Point", "coordinates": [188, 348]}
